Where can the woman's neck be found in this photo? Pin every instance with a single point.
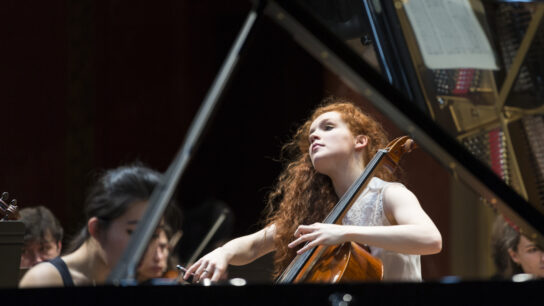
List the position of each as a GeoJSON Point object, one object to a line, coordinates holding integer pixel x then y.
{"type": "Point", "coordinates": [343, 178]}
{"type": "Point", "coordinates": [87, 265]}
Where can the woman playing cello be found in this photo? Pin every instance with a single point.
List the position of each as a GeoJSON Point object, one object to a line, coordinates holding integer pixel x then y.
{"type": "Point", "coordinates": [331, 150]}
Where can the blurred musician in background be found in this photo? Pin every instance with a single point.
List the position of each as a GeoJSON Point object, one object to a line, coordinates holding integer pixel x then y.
{"type": "Point", "coordinates": [329, 152]}
{"type": "Point", "coordinates": [514, 253]}
{"type": "Point", "coordinates": [43, 236]}
{"type": "Point", "coordinates": [155, 261]}
{"type": "Point", "coordinates": [113, 208]}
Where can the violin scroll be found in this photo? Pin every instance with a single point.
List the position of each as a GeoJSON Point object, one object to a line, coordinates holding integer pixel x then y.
{"type": "Point", "coordinates": [8, 212]}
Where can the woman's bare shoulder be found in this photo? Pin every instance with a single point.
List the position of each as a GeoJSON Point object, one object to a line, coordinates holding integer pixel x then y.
{"type": "Point", "coordinates": [41, 275]}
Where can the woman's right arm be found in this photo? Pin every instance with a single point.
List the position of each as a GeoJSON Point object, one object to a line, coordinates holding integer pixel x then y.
{"type": "Point", "coordinates": [239, 251]}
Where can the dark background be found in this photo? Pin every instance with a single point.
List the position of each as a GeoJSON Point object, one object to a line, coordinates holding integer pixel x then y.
{"type": "Point", "coordinates": [91, 85]}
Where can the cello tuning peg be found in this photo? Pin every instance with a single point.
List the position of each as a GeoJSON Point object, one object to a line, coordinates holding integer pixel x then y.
{"type": "Point", "coordinates": [13, 202]}
{"type": "Point", "coordinates": [409, 145]}
{"type": "Point", "coordinates": [5, 196]}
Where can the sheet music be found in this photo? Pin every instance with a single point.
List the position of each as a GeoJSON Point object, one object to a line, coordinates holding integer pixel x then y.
{"type": "Point", "coordinates": [449, 34]}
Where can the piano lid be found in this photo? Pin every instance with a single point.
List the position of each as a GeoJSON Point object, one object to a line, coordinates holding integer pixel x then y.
{"type": "Point", "coordinates": [463, 78]}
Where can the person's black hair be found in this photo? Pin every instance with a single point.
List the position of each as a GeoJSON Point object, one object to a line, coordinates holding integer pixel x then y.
{"type": "Point", "coordinates": [112, 195]}
{"type": "Point", "coordinates": [504, 237]}
{"type": "Point", "coordinates": [38, 221]}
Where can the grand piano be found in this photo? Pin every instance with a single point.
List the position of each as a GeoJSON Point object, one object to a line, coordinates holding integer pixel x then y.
{"type": "Point", "coordinates": [463, 78]}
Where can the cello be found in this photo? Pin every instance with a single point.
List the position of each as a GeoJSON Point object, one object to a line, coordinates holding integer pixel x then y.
{"type": "Point", "coordinates": [349, 261]}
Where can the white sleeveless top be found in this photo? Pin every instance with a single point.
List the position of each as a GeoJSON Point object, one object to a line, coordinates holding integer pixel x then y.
{"type": "Point", "coordinates": [368, 211]}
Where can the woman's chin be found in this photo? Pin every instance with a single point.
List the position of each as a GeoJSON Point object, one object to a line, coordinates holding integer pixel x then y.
{"type": "Point", "coordinates": [321, 168]}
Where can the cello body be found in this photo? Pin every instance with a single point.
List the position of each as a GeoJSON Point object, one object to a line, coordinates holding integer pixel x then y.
{"type": "Point", "coordinates": [348, 262]}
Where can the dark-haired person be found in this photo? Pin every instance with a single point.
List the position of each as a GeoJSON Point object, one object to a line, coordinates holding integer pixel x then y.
{"type": "Point", "coordinates": [113, 209]}
{"type": "Point", "coordinates": [329, 152]}
{"type": "Point", "coordinates": [43, 236]}
{"type": "Point", "coordinates": [155, 260]}
{"type": "Point", "coordinates": [514, 253]}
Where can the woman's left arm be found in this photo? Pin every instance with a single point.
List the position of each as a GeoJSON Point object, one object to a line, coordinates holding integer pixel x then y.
{"type": "Point", "coordinates": [411, 232]}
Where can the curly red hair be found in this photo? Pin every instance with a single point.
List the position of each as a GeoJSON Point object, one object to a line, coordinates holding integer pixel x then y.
{"type": "Point", "coordinates": [301, 195]}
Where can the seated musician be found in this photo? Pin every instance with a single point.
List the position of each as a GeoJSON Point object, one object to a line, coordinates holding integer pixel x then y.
{"type": "Point", "coordinates": [331, 151]}
{"type": "Point", "coordinates": [514, 253]}
{"type": "Point", "coordinates": [43, 236]}
{"type": "Point", "coordinates": [113, 208]}
{"type": "Point", "coordinates": [155, 261]}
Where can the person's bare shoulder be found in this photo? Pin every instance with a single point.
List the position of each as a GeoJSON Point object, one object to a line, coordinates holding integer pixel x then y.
{"type": "Point", "coordinates": [41, 275]}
